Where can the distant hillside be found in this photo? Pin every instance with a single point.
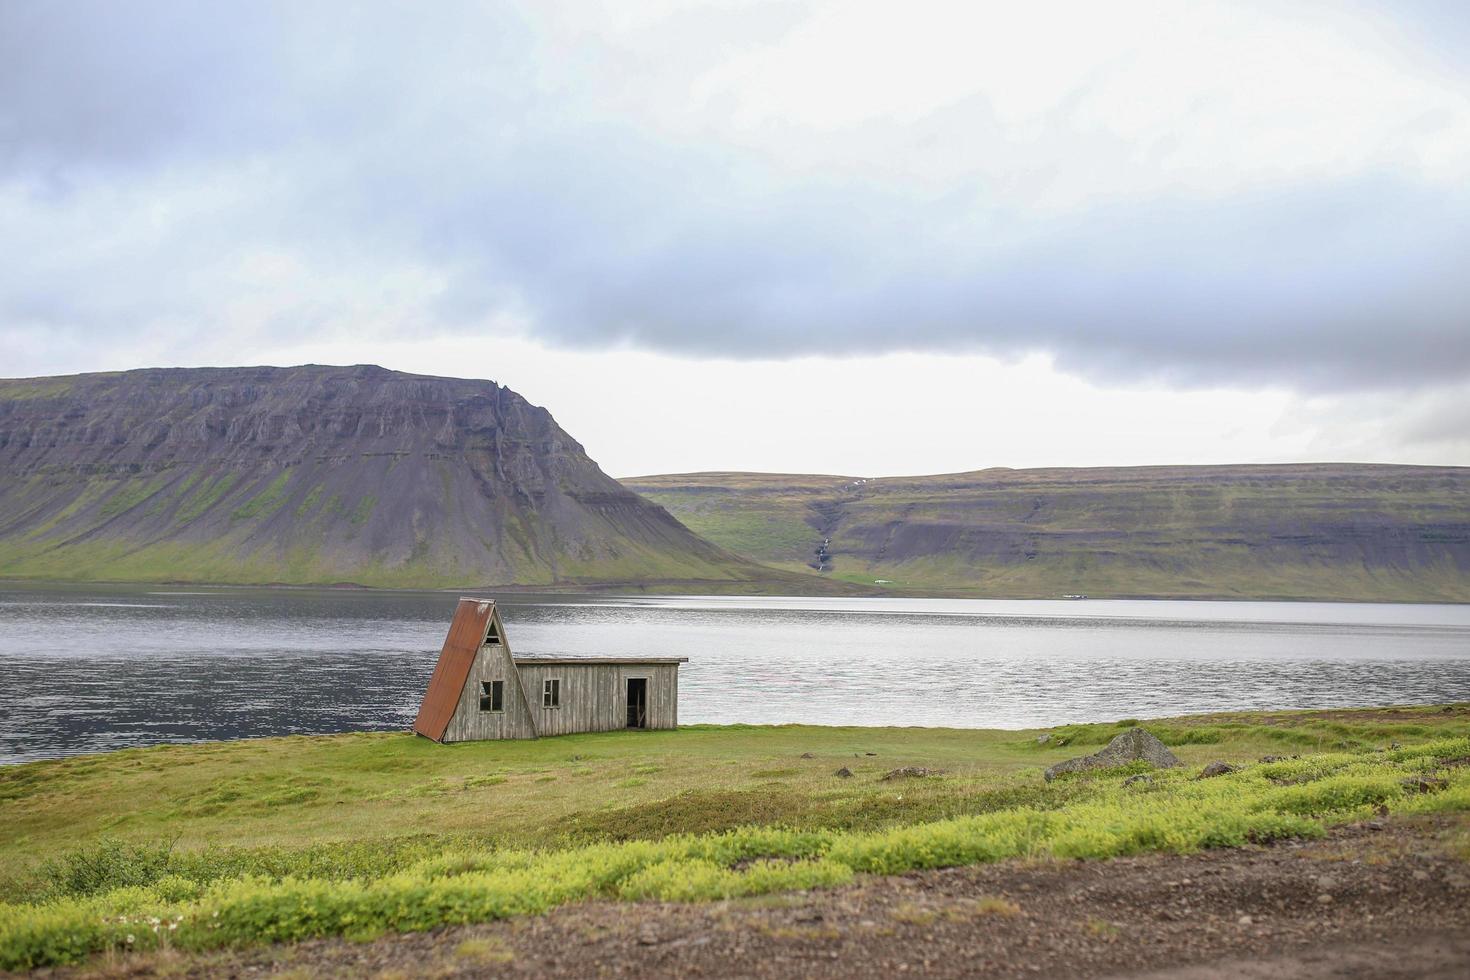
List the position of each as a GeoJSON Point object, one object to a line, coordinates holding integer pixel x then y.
{"type": "Point", "coordinates": [1296, 531]}
{"type": "Point", "coordinates": [319, 475]}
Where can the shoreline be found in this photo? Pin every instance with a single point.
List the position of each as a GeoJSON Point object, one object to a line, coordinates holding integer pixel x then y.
{"type": "Point", "coordinates": [1401, 711]}
{"type": "Point", "coordinates": [671, 591]}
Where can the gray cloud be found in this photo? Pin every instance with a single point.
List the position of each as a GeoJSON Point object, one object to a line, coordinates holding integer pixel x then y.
{"type": "Point", "coordinates": [172, 169]}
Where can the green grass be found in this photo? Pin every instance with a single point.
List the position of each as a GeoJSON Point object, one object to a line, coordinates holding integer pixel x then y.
{"type": "Point", "coordinates": [309, 503]}
{"type": "Point", "coordinates": [31, 389]}
{"type": "Point", "coordinates": [206, 496]}
{"type": "Point", "coordinates": [267, 502]}
{"type": "Point", "coordinates": [363, 510]}
{"type": "Point", "coordinates": [131, 493]}
{"type": "Point", "coordinates": [325, 834]}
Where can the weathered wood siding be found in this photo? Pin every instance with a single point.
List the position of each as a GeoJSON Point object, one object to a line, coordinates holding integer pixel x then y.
{"type": "Point", "coordinates": [594, 698]}
{"type": "Point", "coordinates": [469, 723]}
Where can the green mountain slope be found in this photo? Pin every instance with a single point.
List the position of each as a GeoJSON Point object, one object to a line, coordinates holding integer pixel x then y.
{"type": "Point", "coordinates": [319, 475]}
{"type": "Point", "coordinates": [1328, 531]}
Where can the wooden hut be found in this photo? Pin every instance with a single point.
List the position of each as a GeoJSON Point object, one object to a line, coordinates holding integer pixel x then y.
{"type": "Point", "coordinates": [481, 690]}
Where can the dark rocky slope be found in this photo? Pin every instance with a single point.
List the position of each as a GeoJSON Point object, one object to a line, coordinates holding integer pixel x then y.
{"type": "Point", "coordinates": [318, 475]}
{"type": "Point", "coordinates": [1300, 531]}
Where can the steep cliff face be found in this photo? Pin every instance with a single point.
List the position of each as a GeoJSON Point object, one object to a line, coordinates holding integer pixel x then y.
{"type": "Point", "coordinates": [1328, 531]}
{"type": "Point", "coordinates": [317, 474]}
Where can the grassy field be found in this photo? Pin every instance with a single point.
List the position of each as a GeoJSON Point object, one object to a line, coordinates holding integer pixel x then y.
{"type": "Point", "coordinates": [1309, 531]}
{"type": "Point", "coordinates": [237, 843]}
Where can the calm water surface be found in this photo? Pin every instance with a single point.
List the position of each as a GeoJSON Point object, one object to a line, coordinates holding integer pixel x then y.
{"type": "Point", "coordinates": [84, 669]}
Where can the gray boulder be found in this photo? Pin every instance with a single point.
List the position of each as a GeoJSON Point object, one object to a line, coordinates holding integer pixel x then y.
{"type": "Point", "coordinates": [1216, 769]}
{"type": "Point", "coordinates": [1134, 745]}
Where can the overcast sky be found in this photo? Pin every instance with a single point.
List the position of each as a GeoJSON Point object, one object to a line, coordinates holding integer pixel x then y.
{"type": "Point", "coordinates": [859, 238]}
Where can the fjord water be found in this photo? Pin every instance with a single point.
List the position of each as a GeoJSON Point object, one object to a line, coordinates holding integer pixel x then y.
{"type": "Point", "coordinates": [89, 668]}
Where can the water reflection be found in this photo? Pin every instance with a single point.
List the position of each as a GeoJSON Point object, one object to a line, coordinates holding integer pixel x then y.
{"type": "Point", "coordinates": [89, 668]}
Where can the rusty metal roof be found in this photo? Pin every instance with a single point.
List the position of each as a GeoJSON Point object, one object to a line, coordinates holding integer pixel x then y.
{"type": "Point", "coordinates": [466, 633]}
{"type": "Point", "coordinates": [534, 660]}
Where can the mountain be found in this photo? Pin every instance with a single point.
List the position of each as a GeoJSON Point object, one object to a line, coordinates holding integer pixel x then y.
{"type": "Point", "coordinates": [1309, 531]}
{"type": "Point", "coordinates": [319, 475]}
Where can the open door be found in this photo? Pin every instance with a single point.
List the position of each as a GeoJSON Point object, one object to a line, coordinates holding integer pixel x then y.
{"type": "Point", "coordinates": [637, 702]}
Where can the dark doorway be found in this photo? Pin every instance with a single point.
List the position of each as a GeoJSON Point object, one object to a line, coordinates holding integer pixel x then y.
{"type": "Point", "coordinates": [637, 702]}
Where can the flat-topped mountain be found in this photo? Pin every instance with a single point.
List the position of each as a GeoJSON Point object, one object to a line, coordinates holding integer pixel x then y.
{"type": "Point", "coordinates": [318, 475]}
{"type": "Point", "coordinates": [1328, 531]}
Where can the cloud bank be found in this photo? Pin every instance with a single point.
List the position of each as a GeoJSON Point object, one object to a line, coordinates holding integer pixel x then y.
{"type": "Point", "coordinates": [1201, 193]}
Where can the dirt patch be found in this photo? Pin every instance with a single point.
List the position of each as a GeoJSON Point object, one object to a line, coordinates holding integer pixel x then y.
{"type": "Point", "coordinates": [910, 772]}
{"type": "Point", "coordinates": [690, 812]}
{"type": "Point", "coordinates": [1381, 899]}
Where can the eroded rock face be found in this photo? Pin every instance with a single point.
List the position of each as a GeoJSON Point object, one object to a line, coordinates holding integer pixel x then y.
{"type": "Point", "coordinates": [1302, 530]}
{"type": "Point", "coordinates": [1134, 745]}
{"type": "Point", "coordinates": [315, 474]}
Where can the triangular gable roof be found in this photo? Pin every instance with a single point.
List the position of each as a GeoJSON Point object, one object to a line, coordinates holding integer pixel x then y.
{"type": "Point", "coordinates": [466, 634]}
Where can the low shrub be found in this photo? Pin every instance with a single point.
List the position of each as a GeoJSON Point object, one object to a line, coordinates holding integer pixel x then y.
{"type": "Point", "coordinates": [696, 879]}
{"type": "Point", "coordinates": [1334, 794]}
{"type": "Point", "coordinates": [103, 865]}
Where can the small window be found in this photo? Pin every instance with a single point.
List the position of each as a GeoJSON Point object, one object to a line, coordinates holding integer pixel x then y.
{"type": "Point", "coordinates": [492, 636]}
{"type": "Point", "coordinates": [492, 695]}
{"type": "Point", "coordinates": [551, 693]}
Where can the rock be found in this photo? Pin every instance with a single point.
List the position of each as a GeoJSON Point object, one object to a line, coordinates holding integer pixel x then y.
{"type": "Point", "coordinates": [1138, 779]}
{"type": "Point", "coordinates": [1273, 758]}
{"type": "Point", "coordinates": [1134, 745]}
{"type": "Point", "coordinates": [910, 772]}
{"type": "Point", "coordinates": [807, 755]}
{"type": "Point", "coordinates": [1424, 784]}
{"type": "Point", "coordinates": [1216, 769]}
{"type": "Point", "coordinates": [1420, 875]}
{"type": "Point", "coordinates": [245, 430]}
{"type": "Point", "coordinates": [1324, 899]}
{"type": "Point", "coordinates": [1043, 739]}
{"type": "Point", "coordinates": [1245, 920]}
{"type": "Point", "coordinates": [843, 773]}
{"type": "Point", "coordinates": [870, 753]}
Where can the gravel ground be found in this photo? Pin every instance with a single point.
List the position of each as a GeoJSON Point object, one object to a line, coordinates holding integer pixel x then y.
{"type": "Point", "coordinates": [1380, 899]}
